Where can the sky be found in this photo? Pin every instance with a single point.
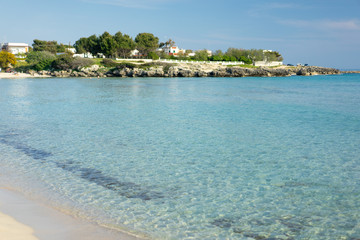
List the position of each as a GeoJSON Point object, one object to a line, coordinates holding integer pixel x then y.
{"type": "Point", "coordinates": [317, 32]}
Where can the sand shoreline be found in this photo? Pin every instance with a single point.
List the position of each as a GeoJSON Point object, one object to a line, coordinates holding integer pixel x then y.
{"type": "Point", "coordinates": [22, 218]}
{"type": "Point", "coordinates": [21, 75]}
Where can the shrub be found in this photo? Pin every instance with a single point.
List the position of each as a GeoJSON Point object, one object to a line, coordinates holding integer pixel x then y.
{"type": "Point", "coordinates": [245, 60]}
{"type": "Point", "coordinates": [216, 58]}
{"type": "Point", "coordinates": [153, 56]}
{"type": "Point", "coordinates": [66, 61]}
{"type": "Point", "coordinates": [109, 63]}
{"type": "Point", "coordinates": [7, 59]}
{"type": "Point", "coordinates": [79, 62]}
{"type": "Point", "coordinates": [62, 62]}
{"type": "Point", "coordinates": [43, 65]}
{"type": "Point", "coordinates": [125, 65]}
{"type": "Point", "coordinates": [226, 58]}
{"type": "Point", "coordinates": [233, 59]}
{"type": "Point", "coordinates": [36, 57]}
{"type": "Point", "coordinates": [23, 67]}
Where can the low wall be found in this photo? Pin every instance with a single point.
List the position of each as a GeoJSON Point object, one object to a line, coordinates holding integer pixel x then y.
{"type": "Point", "coordinates": [268, 64]}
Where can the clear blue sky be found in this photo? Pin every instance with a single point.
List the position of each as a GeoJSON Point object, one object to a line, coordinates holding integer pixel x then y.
{"type": "Point", "coordinates": [317, 32]}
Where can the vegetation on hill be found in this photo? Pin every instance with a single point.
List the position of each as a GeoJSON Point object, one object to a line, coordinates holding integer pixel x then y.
{"type": "Point", "coordinates": [45, 55]}
{"type": "Point", "coordinates": [49, 46]}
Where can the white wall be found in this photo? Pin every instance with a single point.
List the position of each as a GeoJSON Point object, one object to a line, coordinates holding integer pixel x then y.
{"type": "Point", "coordinates": [268, 64]}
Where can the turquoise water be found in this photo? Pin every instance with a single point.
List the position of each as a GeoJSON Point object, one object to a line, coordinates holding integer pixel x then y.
{"type": "Point", "coordinates": [190, 158]}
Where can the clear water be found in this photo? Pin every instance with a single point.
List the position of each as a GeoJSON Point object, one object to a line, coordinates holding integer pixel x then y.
{"type": "Point", "coordinates": [190, 158]}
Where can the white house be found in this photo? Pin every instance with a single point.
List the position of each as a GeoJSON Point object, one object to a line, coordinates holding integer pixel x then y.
{"type": "Point", "coordinates": [84, 55]}
{"type": "Point", "coordinates": [171, 50]}
{"type": "Point", "coordinates": [136, 53]}
{"type": "Point", "coordinates": [16, 48]}
{"type": "Point", "coordinates": [70, 49]}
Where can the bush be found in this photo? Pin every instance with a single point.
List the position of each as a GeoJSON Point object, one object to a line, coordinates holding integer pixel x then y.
{"type": "Point", "coordinates": [62, 62]}
{"type": "Point", "coordinates": [217, 58]}
{"type": "Point", "coordinates": [7, 59]}
{"type": "Point", "coordinates": [125, 65]}
{"type": "Point", "coordinates": [153, 56]}
{"type": "Point", "coordinates": [23, 67]}
{"type": "Point", "coordinates": [245, 60]}
{"type": "Point", "coordinates": [36, 57]}
{"type": "Point", "coordinates": [66, 61]}
{"type": "Point", "coordinates": [79, 62]}
{"type": "Point", "coordinates": [43, 65]}
{"type": "Point", "coordinates": [233, 59]}
{"type": "Point", "coordinates": [109, 63]}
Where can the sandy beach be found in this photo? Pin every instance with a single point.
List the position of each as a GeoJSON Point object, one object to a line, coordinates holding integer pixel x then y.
{"type": "Point", "coordinates": [20, 75]}
{"type": "Point", "coordinates": [24, 219]}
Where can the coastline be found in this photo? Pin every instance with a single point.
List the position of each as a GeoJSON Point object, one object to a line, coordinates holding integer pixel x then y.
{"type": "Point", "coordinates": [26, 219]}
{"type": "Point", "coordinates": [21, 75]}
{"type": "Point", "coordinates": [178, 70]}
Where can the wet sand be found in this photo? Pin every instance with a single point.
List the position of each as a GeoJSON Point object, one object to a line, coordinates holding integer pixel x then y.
{"type": "Point", "coordinates": [24, 219]}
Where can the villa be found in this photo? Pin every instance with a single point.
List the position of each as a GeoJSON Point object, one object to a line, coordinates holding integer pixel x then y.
{"type": "Point", "coordinates": [171, 50]}
{"type": "Point", "coordinates": [15, 48]}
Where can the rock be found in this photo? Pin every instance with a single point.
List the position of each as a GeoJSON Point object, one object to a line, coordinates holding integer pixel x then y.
{"type": "Point", "coordinates": [92, 68]}
{"type": "Point", "coordinates": [192, 70]}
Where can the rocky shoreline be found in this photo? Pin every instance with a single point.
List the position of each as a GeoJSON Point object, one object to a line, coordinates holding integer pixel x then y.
{"type": "Point", "coordinates": [191, 70]}
{"type": "Point", "coordinates": [350, 71]}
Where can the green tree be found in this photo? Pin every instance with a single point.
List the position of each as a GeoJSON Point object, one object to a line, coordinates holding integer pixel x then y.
{"type": "Point", "coordinates": [41, 45]}
{"type": "Point", "coordinates": [146, 42]}
{"type": "Point", "coordinates": [35, 57]}
{"type": "Point", "coordinates": [93, 45]}
{"type": "Point", "coordinates": [40, 60]}
{"type": "Point", "coordinates": [273, 56]}
{"type": "Point", "coordinates": [60, 48]}
{"type": "Point", "coordinates": [124, 44]}
{"type": "Point", "coordinates": [217, 56]}
{"type": "Point", "coordinates": [7, 59]}
{"type": "Point", "coordinates": [245, 60]}
{"type": "Point", "coordinates": [169, 43]}
{"type": "Point", "coordinates": [107, 44]}
{"type": "Point", "coordinates": [153, 56]}
{"type": "Point", "coordinates": [82, 45]}
{"type": "Point", "coordinates": [63, 62]}
{"type": "Point", "coordinates": [226, 58]}
{"type": "Point", "coordinates": [201, 55]}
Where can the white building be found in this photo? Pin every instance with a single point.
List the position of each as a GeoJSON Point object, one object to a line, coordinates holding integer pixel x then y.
{"type": "Point", "coordinates": [83, 55]}
{"type": "Point", "coordinates": [15, 48]}
{"type": "Point", "coordinates": [268, 63]}
{"type": "Point", "coordinates": [70, 49]}
{"type": "Point", "coordinates": [171, 50]}
{"type": "Point", "coordinates": [135, 53]}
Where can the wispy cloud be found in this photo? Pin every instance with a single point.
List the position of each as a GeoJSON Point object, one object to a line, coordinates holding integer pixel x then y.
{"type": "Point", "coordinates": [145, 4]}
{"type": "Point", "coordinates": [344, 25]}
{"type": "Point", "coordinates": [230, 38]}
{"type": "Point", "coordinates": [275, 5]}
{"type": "Point", "coordinates": [352, 25]}
{"type": "Point", "coordinates": [266, 8]}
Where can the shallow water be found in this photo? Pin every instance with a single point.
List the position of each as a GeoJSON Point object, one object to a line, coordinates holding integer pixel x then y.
{"type": "Point", "coordinates": [190, 158]}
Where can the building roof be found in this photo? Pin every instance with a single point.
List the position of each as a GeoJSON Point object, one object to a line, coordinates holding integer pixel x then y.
{"type": "Point", "coordinates": [16, 44]}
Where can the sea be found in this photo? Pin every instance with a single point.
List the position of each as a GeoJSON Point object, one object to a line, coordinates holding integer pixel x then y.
{"type": "Point", "coordinates": [190, 158]}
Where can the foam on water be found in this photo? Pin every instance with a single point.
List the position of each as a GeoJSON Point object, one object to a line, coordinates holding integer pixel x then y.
{"type": "Point", "coordinates": [211, 158]}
